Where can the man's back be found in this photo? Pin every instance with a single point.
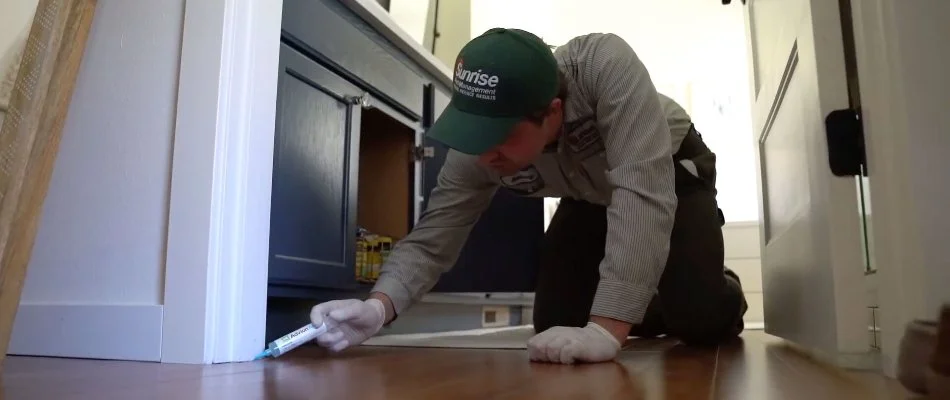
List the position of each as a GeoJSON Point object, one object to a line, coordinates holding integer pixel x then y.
{"type": "Point", "coordinates": [575, 60]}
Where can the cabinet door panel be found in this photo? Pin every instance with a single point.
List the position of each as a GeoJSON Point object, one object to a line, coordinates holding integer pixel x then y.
{"type": "Point", "coordinates": [313, 203]}
{"type": "Point", "coordinates": [501, 254]}
{"type": "Point", "coordinates": [330, 32]}
{"type": "Point", "coordinates": [437, 101]}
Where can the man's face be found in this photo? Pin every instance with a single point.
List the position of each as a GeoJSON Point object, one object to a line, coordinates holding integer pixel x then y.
{"type": "Point", "coordinates": [524, 144]}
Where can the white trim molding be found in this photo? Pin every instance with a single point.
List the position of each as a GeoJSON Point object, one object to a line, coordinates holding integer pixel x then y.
{"type": "Point", "coordinates": [244, 212]}
{"type": "Point", "coordinates": [114, 332]}
{"type": "Point", "coordinates": [219, 218]}
{"type": "Point", "coordinates": [901, 66]}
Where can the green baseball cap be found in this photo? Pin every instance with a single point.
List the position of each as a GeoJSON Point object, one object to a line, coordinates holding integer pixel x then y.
{"type": "Point", "coordinates": [499, 78]}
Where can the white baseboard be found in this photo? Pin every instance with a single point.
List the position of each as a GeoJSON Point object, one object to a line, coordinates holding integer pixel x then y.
{"type": "Point", "coordinates": [866, 361]}
{"type": "Point", "coordinates": [498, 299]}
{"type": "Point", "coordinates": [113, 332]}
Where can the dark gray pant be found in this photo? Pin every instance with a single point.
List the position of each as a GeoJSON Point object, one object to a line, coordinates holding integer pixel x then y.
{"type": "Point", "coordinates": [699, 301]}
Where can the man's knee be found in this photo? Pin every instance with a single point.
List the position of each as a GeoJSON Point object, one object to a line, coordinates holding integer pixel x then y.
{"type": "Point", "coordinates": [708, 323]}
{"type": "Point", "coordinates": [711, 334]}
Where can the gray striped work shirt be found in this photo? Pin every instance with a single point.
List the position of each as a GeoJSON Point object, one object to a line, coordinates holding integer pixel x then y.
{"type": "Point", "coordinates": [615, 150]}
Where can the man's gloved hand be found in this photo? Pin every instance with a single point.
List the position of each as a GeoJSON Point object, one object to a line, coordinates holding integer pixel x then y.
{"type": "Point", "coordinates": [350, 322]}
{"type": "Point", "coordinates": [568, 345]}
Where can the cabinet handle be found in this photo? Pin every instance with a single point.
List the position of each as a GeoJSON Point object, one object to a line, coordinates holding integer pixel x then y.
{"type": "Point", "coordinates": [420, 153]}
{"type": "Point", "coordinates": [362, 101]}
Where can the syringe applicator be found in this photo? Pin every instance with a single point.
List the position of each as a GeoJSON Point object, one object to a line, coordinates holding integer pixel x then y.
{"type": "Point", "coordinates": [292, 340]}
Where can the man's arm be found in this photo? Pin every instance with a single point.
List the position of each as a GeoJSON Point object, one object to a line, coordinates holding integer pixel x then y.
{"type": "Point", "coordinates": [463, 192]}
{"type": "Point", "coordinates": [643, 203]}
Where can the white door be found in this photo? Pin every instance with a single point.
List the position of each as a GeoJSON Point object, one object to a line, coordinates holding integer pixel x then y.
{"type": "Point", "coordinates": [813, 266]}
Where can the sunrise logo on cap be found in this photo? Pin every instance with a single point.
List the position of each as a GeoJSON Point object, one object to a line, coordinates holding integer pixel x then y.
{"type": "Point", "coordinates": [474, 77]}
{"type": "Point", "coordinates": [476, 83]}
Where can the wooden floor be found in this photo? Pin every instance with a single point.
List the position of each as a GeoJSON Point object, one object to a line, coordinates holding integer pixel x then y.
{"type": "Point", "coordinates": [758, 367]}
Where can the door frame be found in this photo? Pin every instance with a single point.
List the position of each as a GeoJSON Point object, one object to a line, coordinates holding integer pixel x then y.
{"type": "Point", "coordinates": [886, 41]}
{"type": "Point", "coordinates": [841, 336]}
{"type": "Point", "coordinates": [899, 286]}
{"type": "Point", "coordinates": [215, 293]}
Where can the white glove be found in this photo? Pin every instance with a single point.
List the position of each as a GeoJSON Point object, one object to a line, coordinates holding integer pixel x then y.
{"type": "Point", "coordinates": [349, 322]}
{"type": "Point", "coordinates": [568, 345]}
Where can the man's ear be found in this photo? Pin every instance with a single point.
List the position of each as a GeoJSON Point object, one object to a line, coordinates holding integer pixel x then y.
{"type": "Point", "coordinates": [554, 119]}
{"type": "Point", "coordinates": [556, 106]}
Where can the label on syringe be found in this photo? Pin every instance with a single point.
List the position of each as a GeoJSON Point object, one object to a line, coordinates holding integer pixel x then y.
{"type": "Point", "coordinates": [298, 337]}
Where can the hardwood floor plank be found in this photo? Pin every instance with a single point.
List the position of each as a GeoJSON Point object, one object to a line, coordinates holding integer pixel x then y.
{"type": "Point", "coordinates": [660, 369]}
{"type": "Point", "coordinates": [687, 373]}
{"type": "Point", "coordinates": [762, 368]}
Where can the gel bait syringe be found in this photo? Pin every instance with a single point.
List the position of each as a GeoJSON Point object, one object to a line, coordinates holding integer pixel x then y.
{"type": "Point", "coordinates": [292, 340]}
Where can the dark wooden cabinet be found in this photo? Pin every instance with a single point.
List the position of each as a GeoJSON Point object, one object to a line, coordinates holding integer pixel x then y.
{"type": "Point", "coordinates": [314, 185]}
{"type": "Point", "coordinates": [437, 100]}
{"type": "Point", "coordinates": [350, 152]}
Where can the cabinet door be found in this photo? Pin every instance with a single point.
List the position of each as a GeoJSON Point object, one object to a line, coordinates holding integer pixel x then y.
{"type": "Point", "coordinates": [313, 209]}
{"type": "Point", "coordinates": [501, 254]}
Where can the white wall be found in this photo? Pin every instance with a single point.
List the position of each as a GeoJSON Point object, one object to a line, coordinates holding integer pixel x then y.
{"type": "Point", "coordinates": [101, 238]}
{"type": "Point", "coordinates": [454, 24]}
{"type": "Point", "coordinates": [412, 16]}
{"type": "Point", "coordinates": [100, 247]}
{"type": "Point", "coordinates": [925, 66]}
{"type": "Point", "coordinates": [695, 51]}
{"type": "Point", "coordinates": [902, 64]}
{"type": "Point", "coordinates": [14, 25]}
{"type": "Point", "coordinates": [15, 18]}
{"type": "Point", "coordinates": [743, 257]}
